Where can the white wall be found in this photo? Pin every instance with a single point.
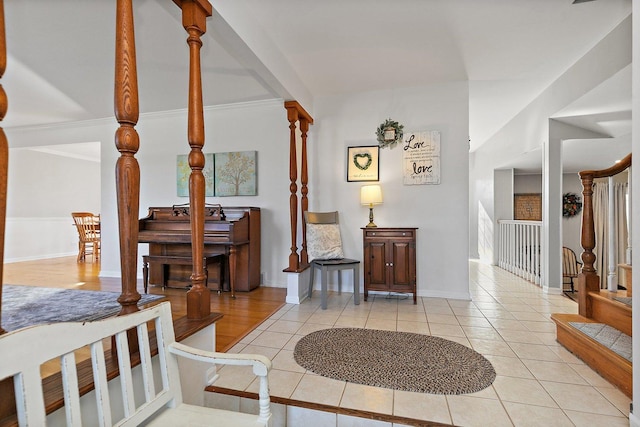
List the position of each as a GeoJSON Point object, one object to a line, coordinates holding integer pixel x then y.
{"type": "Point", "coordinates": [439, 211]}
{"type": "Point", "coordinates": [39, 204]}
{"type": "Point", "coordinates": [525, 184]}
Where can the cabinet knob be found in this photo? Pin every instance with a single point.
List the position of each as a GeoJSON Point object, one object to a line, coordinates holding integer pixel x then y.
{"type": "Point", "coordinates": [404, 234]}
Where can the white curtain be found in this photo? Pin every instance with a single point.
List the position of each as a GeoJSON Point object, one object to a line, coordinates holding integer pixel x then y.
{"type": "Point", "coordinates": [600, 222]}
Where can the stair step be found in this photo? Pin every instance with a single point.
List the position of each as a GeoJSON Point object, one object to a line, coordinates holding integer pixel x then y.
{"type": "Point", "coordinates": [610, 337]}
{"type": "Point", "coordinates": [230, 399]}
{"type": "Point", "coordinates": [613, 367]}
{"type": "Point", "coordinates": [606, 309]}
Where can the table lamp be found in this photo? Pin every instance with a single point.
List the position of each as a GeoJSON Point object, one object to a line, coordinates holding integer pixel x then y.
{"type": "Point", "coordinates": [371, 195]}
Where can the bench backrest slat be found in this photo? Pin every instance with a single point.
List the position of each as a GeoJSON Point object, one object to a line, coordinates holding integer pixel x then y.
{"type": "Point", "coordinates": [145, 359]}
{"type": "Point", "coordinates": [126, 376]}
{"type": "Point", "coordinates": [99, 367]}
{"type": "Point", "coordinates": [70, 389]}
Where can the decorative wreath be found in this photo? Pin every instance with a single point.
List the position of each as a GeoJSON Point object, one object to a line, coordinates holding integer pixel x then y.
{"type": "Point", "coordinates": [389, 133]}
{"type": "Point", "coordinates": [571, 205]}
{"type": "Point", "coordinates": [358, 156]}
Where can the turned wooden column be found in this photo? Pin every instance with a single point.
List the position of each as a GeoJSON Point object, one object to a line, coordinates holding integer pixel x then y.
{"type": "Point", "coordinates": [304, 202]}
{"type": "Point", "coordinates": [296, 113]}
{"type": "Point", "coordinates": [588, 279]}
{"type": "Point", "coordinates": [294, 261]}
{"type": "Point", "coordinates": [127, 142]}
{"type": "Point", "coordinates": [4, 153]}
{"type": "Point", "coordinates": [194, 15]}
{"type": "Point", "coordinates": [7, 403]}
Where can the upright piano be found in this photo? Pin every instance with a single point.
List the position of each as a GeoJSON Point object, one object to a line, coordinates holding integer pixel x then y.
{"type": "Point", "coordinates": [231, 231]}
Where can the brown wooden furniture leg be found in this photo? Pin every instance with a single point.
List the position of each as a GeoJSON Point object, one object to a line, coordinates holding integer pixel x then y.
{"type": "Point", "coordinates": [145, 272]}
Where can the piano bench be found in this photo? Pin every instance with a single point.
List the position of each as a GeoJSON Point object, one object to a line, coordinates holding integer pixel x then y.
{"type": "Point", "coordinates": [167, 260]}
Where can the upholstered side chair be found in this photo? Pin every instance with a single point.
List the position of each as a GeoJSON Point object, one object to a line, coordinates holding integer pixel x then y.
{"type": "Point", "coordinates": [324, 247]}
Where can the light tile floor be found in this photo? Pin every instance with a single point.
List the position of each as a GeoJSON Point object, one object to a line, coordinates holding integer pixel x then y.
{"type": "Point", "coordinates": [538, 383]}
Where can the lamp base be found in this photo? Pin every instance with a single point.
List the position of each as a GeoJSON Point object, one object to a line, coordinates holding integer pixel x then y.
{"type": "Point", "coordinates": [371, 224]}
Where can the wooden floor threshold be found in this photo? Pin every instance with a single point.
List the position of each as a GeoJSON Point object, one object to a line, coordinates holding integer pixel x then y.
{"type": "Point", "coordinates": [330, 408]}
{"type": "Point", "coordinates": [610, 365]}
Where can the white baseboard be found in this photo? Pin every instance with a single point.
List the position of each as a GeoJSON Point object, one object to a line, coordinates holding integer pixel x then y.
{"type": "Point", "coordinates": [37, 257]}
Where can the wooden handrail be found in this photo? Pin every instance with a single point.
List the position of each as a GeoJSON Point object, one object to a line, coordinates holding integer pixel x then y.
{"type": "Point", "coordinates": [588, 279]}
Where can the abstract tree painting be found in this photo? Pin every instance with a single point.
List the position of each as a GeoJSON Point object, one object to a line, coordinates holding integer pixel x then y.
{"type": "Point", "coordinates": [235, 173]}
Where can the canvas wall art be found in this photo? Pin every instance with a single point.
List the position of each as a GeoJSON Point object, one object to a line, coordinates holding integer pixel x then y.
{"type": "Point", "coordinates": [421, 158]}
{"type": "Point", "coordinates": [184, 171]}
{"type": "Point", "coordinates": [235, 173]}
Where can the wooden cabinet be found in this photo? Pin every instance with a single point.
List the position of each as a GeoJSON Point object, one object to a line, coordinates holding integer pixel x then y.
{"type": "Point", "coordinates": [390, 260]}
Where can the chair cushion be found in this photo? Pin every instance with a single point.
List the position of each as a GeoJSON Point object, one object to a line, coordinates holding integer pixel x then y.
{"type": "Point", "coordinates": [324, 241]}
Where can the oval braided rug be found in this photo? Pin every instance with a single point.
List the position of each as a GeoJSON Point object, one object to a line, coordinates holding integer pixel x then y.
{"type": "Point", "coordinates": [396, 360]}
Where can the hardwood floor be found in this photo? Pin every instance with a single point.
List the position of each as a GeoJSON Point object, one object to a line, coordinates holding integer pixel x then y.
{"type": "Point", "coordinates": [240, 315]}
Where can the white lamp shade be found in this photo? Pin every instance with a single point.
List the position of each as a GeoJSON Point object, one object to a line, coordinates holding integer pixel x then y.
{"type": "Point", "coordinates": [371, 195]}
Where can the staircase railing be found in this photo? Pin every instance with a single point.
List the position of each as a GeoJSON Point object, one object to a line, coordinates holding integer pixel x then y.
{"type": "Point", "coordinates": [588, 279]}
{"type": "Point", "coordinates": [519, 252]}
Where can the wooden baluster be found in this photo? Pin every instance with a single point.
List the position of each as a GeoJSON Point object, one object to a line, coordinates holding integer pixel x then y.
{"type": "Point", "coordinates": [194, 15]}
{"type": "Point", "coordinates": [304, 202]}
{"type": "Point", "coordinates": [127, 142]}
{"type": "Point", "coordinates": [292, 116]}
{"type": "Point", "coordinates": [4, 153]}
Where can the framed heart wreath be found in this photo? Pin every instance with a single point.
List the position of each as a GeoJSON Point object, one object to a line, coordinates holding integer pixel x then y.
{"type": "Point", "coordinates": [363, 163]}
{"type": "Point", "coordinates": [571, 205]}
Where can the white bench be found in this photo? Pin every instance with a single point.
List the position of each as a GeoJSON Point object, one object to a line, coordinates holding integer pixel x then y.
{"type": "Point", "coordinates": [23, 351]}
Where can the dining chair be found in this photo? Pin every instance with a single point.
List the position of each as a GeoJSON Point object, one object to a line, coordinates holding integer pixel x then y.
{"type": "Point", "coordinates": [570, 265]}
{"type": "Point", "coordinates": [88, 225]}
{"type": "Point", "coordinates": [324, 248]}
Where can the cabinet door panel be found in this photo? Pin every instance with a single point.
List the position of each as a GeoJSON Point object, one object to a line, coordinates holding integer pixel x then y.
{"type": "Point", "coordinates": [401, 257]}
{"type": "Point", "coordinates": [378, 269]}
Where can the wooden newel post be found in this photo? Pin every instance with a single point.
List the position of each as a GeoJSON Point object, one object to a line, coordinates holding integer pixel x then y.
{"type": "Point", "coordinates": [194, 15]}
{"type": "Point", "coordinates": [588, 279]}
{"type": "Point", "coordinates": [127, 142]}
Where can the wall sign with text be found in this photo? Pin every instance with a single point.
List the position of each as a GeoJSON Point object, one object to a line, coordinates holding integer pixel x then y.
{"type": "Point", "coordinates": [421, 158]}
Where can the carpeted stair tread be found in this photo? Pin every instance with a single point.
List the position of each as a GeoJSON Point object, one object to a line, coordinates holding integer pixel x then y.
{"type": "Point", "coordinates": [624, 300]}
{"type": "Point", "coordinates": [613, 339]}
